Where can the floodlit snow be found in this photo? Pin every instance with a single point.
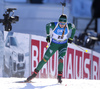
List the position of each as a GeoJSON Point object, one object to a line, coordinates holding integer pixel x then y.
{"type": "Point", "coordinates": [10, 83]}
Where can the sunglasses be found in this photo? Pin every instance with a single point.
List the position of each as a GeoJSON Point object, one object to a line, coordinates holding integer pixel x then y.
{"type": "Point", "coordinates": [62, 23]}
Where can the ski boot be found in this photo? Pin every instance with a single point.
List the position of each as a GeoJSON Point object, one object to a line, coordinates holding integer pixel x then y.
{"type": "Point", "coordinates": [59, 77]}
{"type": "Point", "coordinates": [32, 76]}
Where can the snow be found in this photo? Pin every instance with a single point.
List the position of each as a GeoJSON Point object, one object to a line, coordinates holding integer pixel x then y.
{"type": "Point", "coordinates": [41, 83]}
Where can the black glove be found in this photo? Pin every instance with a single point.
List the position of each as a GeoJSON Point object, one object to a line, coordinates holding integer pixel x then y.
{"type": "Point", "coordinates": [48, 38]}
{"type": "Point", "coordinates": [70, 40]}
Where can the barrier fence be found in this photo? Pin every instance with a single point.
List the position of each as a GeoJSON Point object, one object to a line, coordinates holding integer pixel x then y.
{"type": "Point", "coordinates": [21, 59]}
{"type": "Point", "coordinates": [77, 63]}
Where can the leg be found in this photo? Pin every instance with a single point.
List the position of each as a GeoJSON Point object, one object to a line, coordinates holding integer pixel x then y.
{"type": "Point", "coordinates": [50, 51]}
{"type": "Point", "coordinates": [62, 52]}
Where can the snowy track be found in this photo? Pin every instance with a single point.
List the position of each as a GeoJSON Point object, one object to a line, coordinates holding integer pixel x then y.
{"type": "Point", "coordinates": [10, 83]}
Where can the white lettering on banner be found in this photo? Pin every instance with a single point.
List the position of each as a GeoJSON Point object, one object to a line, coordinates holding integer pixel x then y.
{"type": "Point", "coordinates": [45, 66]}
{"type": "Point", "coordinates": [77, 64]}
{"type": "Point", "coordinates": [70, 66]}
{"type": "Point", "coordinates": [78, 73]}
{"type": "Point", "coordinates": [95, 70]}
{"type": "Point", "coordinates": [34, 57]}
{"type": "Point", "coordinates": [87, 61]}
{"type": "Point", "coordinates": [96, 67]}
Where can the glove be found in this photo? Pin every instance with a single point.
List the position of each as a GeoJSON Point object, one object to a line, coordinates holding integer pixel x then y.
{"type": "Point", "coordinates": [48, 38]}
{"type": "Point", "coordinates": [70, 40]}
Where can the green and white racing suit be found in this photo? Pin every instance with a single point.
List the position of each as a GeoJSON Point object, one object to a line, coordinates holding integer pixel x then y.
{"type": "Point", "coordinates": [58, 42]}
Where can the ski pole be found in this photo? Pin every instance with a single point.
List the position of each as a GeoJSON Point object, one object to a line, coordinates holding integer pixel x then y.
{"type": "Point", "coordinates": [80, 47]}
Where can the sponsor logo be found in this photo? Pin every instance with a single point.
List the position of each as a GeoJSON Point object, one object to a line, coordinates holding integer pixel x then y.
{"type": "Point", "coordinates": [50, 50]}
{"type": "Point", "coordinates": [58, 31]}
{"type": "Point", "coordinates": [45, 56]}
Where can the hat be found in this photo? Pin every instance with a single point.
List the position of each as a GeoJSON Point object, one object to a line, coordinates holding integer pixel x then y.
{"type": "Point", "coordinates": [63, 18]}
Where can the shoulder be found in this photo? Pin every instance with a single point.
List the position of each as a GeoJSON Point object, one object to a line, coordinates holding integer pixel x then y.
{"type": "Point", "coordinates": [51, 24]}
{"type": "Point", "coordinates": [71, 25]}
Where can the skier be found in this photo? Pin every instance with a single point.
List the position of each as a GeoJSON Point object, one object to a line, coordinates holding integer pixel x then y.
{"type": "Point", "coordinates": [60, 40]}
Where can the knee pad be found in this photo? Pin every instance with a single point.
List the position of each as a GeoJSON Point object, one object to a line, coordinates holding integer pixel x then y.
{"type": "Point", "coordinates": [44, 60]}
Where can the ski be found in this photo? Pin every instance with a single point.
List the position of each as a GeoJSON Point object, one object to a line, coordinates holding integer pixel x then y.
{"type": "Point", "coordinates": [24, 82]}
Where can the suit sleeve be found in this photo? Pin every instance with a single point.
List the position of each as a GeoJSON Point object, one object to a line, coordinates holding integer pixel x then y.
{"type": "Point", "coordinates": [48, 27]}
{"type": "Point", "coordinates": [72, 26]}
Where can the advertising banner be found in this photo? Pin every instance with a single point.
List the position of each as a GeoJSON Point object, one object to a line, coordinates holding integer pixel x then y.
{"type": "Point", "coordinates": [22, 53]}
{"type": "Point", "coordinates": [16, 55]}
{"type": "Point", "coordinates": [1, 52]}
{"type": "Point", "coordinates": [77, 63]}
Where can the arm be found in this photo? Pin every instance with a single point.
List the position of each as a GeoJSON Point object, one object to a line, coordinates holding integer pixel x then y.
{"type": "Point", "coordinates": [72, 26]}
{"type": "Point", "coordinates": [48, 27]}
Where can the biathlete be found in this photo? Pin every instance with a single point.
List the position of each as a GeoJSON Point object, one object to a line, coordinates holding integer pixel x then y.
{"type": "Point", "coordinates": [60, 40]}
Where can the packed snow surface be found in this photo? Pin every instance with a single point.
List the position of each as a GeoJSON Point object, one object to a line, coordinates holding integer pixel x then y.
{"type": "Point", "coordinates": [41, 83]}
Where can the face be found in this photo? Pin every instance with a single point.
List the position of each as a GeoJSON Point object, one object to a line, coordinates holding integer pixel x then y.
{"type": "Point", "coordinates": [62, 24]}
